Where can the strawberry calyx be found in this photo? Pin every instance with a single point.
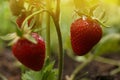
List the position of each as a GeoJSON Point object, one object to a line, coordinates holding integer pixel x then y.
{"type": "Point", "coordinates": [13, 37]}
{"type": "Point", "coordinates": [91, 11]}
{"type": "Point", "coordinates": [102, 24]}
{"type": "Point", "coordinates": [88, 12]}
{"type": "Point", "coordinates": [24, 27]}
{"type": "Point", "coordinates": [24, 31]}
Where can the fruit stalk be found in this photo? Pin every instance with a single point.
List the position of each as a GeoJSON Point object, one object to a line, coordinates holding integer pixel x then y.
{"type": "Point", "coordinates": [35, 13]}
{"type": "Point", "coordinates": [48, 30]}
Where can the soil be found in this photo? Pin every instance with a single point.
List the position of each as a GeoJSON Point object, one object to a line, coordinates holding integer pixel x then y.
{"type": "Point", "coordinates": [96, 70]}
{"type": "Point", "coordinates": [8, 67]}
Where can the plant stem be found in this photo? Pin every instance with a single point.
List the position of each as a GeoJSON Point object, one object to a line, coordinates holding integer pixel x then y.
{"type": "Point", "coordinates": [35, 13]}
{"type": "Point", "coordinates": [58, 10]}
{"type": "Point", "coordinates": [108, 61]}
{"type": "Point", "coordinates": [115, 71]}
{"type": "Point", "coordinates": [80, 67]}
{"type": "Point", "coordinates": [57, 25]}
{"type": "Point", "coordinates": [2, 77]}
{"type": "Point", "coordinates": [48, 38]}
{"type": "Point", "coordinates": [60, 50]}
{"type": "Point", "coordinates": [48, 30]}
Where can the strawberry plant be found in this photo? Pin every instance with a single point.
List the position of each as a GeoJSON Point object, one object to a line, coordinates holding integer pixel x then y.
{"type": "Point", "coordinates": [35, 21]}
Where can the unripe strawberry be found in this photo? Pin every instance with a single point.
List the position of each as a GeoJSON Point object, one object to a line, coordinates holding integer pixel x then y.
{"type": "Point", "coordinates": [84, 33]}
{"type": "Point", "coordinates": [20, 20]}
{"type": "Point", "coordinates": [16, 6]}
{"type": "Point", "coordinates": [30, 54]}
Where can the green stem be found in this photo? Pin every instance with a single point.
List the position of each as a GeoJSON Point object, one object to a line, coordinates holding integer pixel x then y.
{"type": "Point", "coordinates": [80, 67]}
{"type": "Point", "coordinates": [58, 9]}
{"type": "Point", "coordinates": [30, 16]}
{"type": "Point", "coordinates": [48, 37]}
{"type": "Point", "coordinates": [115, 71]}
{"type": "Point", "coordinates": [108, 61]}
{"type": "Point", "coordinates": [60, 51]}
{"type": "Point", "coordinates": [48, 30]}
{"type": "Point", "coordinates": [57, 25]}
{"type": "Point", "coordinates": [2, 77]}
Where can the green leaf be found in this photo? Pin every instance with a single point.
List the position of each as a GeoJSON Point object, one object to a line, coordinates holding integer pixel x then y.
{"type": "Point", "coordinates": [109, 43]}
{"type": "Point", "coordinates": [49, 67]}
{"type": "Point", "coordinates": [47, 73]}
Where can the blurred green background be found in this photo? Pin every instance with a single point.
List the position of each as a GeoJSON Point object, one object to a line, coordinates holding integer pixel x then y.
{"type": "Point", "coordinates": [6, 26]}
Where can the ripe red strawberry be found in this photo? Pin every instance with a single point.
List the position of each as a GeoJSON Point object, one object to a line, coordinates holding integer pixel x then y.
{"type": "Point", "coordinates": [85, 33]}
{"type": "Point", "coordinates": [29, 54]}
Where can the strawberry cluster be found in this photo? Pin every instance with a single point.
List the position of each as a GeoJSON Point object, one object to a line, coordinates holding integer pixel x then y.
{"type": "Point", "coordinates": [85, 33]}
